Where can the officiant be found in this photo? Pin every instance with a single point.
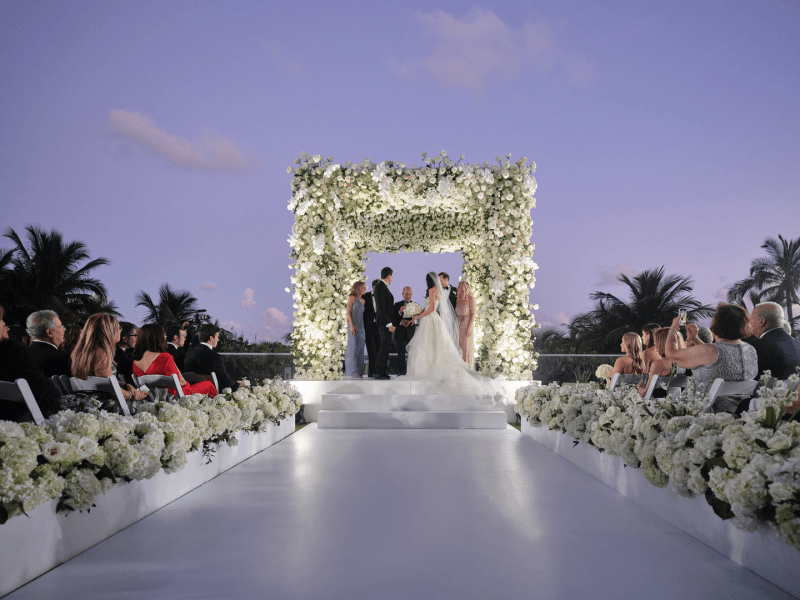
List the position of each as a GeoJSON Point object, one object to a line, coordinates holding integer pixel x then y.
{"type": "Point", "coordinates": [404, 328]}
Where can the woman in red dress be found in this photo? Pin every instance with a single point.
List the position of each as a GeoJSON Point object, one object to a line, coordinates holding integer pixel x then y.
{"type": "Point", "coordinates": [150, 357]}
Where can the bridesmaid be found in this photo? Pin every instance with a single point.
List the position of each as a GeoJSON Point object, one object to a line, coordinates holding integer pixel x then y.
{"type": "Point", "coordinates": [465, 312]}
{"type": "Point", "coordinates": [356, 336]}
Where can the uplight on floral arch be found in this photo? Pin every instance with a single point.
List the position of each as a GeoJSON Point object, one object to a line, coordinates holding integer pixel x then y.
{"type": "Point", "coordinates": [344, 212]}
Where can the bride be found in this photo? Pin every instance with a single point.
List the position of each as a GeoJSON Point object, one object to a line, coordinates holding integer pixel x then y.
{"type": "Point", "coordinates": [434, 354]}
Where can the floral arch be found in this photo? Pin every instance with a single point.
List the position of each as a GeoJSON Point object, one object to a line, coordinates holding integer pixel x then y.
{"type": "Point", "coordinates": [344, 212]}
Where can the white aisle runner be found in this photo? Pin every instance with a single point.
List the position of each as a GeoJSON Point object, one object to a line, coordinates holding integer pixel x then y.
{"type": "Point", "coordinates": [405, 514]}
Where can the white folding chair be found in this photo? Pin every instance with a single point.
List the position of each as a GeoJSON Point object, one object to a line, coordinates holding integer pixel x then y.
{"type": "Point", "coordinates": [101, 384]}
{"type": "Point", "coordinates": [195, 377]}
{"type": "Point", "coordinates": [20, 391]}
{"type": "Point", "coordinates": [675, 386]}
{"type": "Point", "coordinates": [59, 386]}
{"type": "Point", "coordinates": [755, 403]}
{"type": "Point", "coordinates": [65, 383]}
{"type": "Point", "coordinates": [629, 379]}
{"type": "Point", "coordinates": [720, 387]}
{"type": "Point", "coordinates": [159, 381]}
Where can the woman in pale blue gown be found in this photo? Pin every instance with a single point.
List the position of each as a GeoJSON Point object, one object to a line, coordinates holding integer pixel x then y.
{"type": "Point", "coordinates": [356, 337]}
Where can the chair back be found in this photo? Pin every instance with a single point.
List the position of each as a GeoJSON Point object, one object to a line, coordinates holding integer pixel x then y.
{"type": "Point", "coordinates": [614, 382]}
{"type": "Point", "coordinates": [59, 386]}
{"type": "Point", "coordinates": [195, 377]}
{"type": "Point", "coordinates": [720, 387]}
{"type": "Point", "coordinates": [65, 383]}
{"type": "Point", "coordinates": [159, 381]}
{"type": "Point", "coordinates": [101, 384]}
{"type": "Point", "coordinates": [675, 386]}
{"type": "Point", "coordinates": [629, 379]}
{"type": "Point", "coordinates": [20, 391]}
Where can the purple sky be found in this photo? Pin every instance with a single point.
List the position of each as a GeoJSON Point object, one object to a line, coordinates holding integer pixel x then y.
{"type": "Point", "coordinates": [159, 133]}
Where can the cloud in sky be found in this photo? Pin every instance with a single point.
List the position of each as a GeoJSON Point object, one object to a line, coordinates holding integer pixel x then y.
{"type": "Point", "coordinates": [208, 287]}
{"type": "Point", "coordinates": [610, 275]}
{"type": "Point", "coordinates": [210, 153]}
{"type": "Point", "coordinates": [293, 62]}
{"type": "Point", "coordinates": [722, 294]}
{"type": "Point", "coordinates": [470, 51]}
{"type": "Point", "coordinates": [558, 320]}
{"type": "Point", "coordinates": [274, 324]}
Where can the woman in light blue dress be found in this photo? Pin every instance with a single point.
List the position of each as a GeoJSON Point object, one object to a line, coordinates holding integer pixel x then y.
{"type": "Point", "coordinates": [356, 337]}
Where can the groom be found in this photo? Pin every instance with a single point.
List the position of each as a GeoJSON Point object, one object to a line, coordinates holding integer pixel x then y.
{"type": "Point", "coordinates": [449, 291]}
{"type": "Point", "coordinates": [384, 318]}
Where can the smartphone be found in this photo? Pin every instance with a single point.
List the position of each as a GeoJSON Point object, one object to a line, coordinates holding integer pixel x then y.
{"type": "Point", "coordinates": [682, 315]}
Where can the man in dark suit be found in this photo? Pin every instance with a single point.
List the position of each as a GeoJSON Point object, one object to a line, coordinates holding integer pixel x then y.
{"type": "Point", "coordinates": [777, 351]}
{"type": "Point", "coordinates": [176, 336]}
{"type": "Point", "coordinates": [384, 309]}
{"type": "Point", "coordinates": [47, 334]}
{"type": "Point", "coordinates": [122, 357]}
{"type": "Point", "coordinates": [203, 359]}
{"type": "Point", "coordinates": [403, 330]}
{"type": "Point", "coordinates": [449, 291]}
{"type": "Point", "coordinates": [373, 338]}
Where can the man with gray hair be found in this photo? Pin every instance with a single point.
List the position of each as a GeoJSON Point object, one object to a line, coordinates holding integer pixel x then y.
{"type": "Point", "coordinates": [777, 351]}
{"type": "Point", "coordinates": [47, 334]}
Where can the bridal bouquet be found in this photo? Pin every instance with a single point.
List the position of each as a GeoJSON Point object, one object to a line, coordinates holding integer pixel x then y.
{"type": "Point", "coordinates": [411, 309]}
{"type": "Point", "coordinates": [604, 372]}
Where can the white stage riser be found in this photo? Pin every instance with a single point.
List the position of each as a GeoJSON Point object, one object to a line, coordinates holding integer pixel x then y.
{"type": "Point", "coordinates": [32, 546]}
{"type": "Point", "coordinates": [407, 419]}
{"type": "Point", "coordinates": [312, 392]}
{"type": "Point", "coordinates": [761, 552]}
{"type": "Point", "coordinates": [376, 403]}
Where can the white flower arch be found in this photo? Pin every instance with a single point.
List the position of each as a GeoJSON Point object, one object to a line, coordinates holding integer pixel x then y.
{"type": "Point", "coordinates": [344, 212]}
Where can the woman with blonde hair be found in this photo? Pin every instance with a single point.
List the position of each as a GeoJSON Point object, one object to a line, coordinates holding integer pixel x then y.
{"type": "Point", "coordinates": [93, 355]}
{"type": "Point", "coordinates": [662, 366]}
{"type": "Point", "coordinates": [465, 313]}
{"type": "Point", "coordinates": [356, 336]}
{"type": "Point", "coordinates": [633, 361]}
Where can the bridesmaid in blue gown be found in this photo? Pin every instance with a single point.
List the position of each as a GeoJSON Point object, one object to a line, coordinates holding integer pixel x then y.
{"type": "Point", "coordinates": [356, 337]}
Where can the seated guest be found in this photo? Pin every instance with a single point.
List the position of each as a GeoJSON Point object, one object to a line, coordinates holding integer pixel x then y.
{"type": "Point", "coordinates": [19, 333]}
{"type": "Point", "coordinates": [150, 357]}
{"type": "Point", "coordinates": [176, 336]}
{"type": "Point", "coordinates": [728, 357]}
{"type": "Point", "coordinates": [16, 363]}
{"type": "Point", "coordinates": [47, 334]}
{"type": "Point", "coordinates": [93, 356]}
{"type": "Point", "coordinates": [203, 359]}
{"type": "Point", "coordinates": [648, 344]}
{"type": "Point", "coordinates": [777, 351]}
{"type": "Point", "coordinates": [661, 367]}
{"type": "Point", "coordinates": [122, 353]}
{"type": "Point", "coordinates": [633, 361]}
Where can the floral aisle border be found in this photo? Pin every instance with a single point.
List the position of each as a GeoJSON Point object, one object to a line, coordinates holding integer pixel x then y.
{"type": "Point", "coordinates": [344, 212]}
{"type": "Point", "coordinates": [747, 469]}
{"type": "Point", "coordinates": [77, 456]}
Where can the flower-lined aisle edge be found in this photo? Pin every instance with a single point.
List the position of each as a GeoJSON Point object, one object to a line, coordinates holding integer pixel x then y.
{"type": "Point", "coordinates": [77, 456]}
{"type": "Point", "coordinates": [344, 212]}
{"type": "Point", "coordinates": [748, 469]}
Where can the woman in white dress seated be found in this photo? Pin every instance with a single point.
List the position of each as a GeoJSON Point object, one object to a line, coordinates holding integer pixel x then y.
{"type": "Point", "coordinates": [434, 353]}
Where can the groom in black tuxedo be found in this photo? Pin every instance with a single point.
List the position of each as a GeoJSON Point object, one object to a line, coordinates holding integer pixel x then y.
{"type": "Point", "coordinates": [403, 330]}
{"type": "Point", "coordinates": [384, 313]}
{"type": "Point", "coordinates": [373, 338]}
{"type": "Point", "coordinates": [449, 291]}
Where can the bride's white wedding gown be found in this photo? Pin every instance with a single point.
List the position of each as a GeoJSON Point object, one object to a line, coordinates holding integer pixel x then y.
{"type": "Point", "coordinates": [434, 356]}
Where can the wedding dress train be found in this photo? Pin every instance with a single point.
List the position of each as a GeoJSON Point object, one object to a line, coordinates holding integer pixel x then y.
{"type": "Point", "coordinates": [435, 356]}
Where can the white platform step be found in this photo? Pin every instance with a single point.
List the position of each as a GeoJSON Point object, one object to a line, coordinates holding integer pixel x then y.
{"type": "Point", "coordinates": [411, 419]}
{"type": "Point", "coordinates": [393, 402]}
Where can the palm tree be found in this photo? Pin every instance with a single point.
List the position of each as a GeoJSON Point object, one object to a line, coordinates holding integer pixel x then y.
{"type": "Point", "coordinates": [173, 305]}
{"type": "Point", "coordinates": [775, 277]}
{"type": "Point", "coordinates": [654, 298]}
{"type": "Point", "coordinates": [46, 273]}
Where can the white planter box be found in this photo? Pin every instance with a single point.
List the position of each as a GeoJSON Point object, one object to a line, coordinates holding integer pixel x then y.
{"type": "Point", "coordinates": [761, 552]}
{"type": "Point", "coordinates": [32, 546]}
